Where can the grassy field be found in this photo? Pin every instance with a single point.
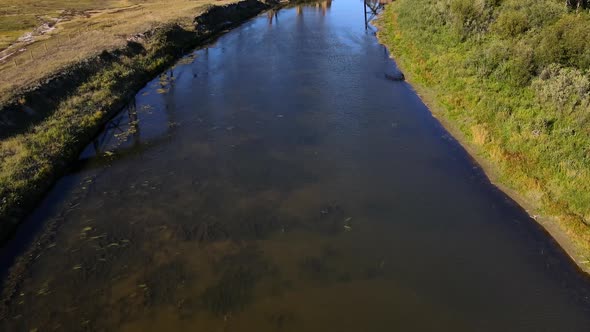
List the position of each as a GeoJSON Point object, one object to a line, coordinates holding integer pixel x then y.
{"type": "Point", "coordinates": [19, 17]}
{"type": "Point", "coordinates": [512, 78]}
{"type": "Point", "coordinates": [86, 27]}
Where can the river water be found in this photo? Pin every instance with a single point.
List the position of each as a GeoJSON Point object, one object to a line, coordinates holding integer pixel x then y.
{"type": "Point", "coordinates": [278, 180]}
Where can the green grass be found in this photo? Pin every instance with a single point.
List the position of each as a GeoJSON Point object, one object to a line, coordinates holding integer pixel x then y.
{"type": "Point", "coordinates": [496, 72]}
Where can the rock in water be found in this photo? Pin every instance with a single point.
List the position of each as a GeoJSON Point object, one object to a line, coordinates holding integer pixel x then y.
{"type": "Point", "coordinates": [398, 76]}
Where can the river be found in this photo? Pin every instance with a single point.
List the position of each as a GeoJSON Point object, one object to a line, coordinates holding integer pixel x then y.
{"type": "Point", "coordinates": [279, 180]}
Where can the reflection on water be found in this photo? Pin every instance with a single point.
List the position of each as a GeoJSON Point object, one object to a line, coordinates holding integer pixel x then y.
{"type": "Point", "coordinates": [372, 9]}
{"type": "Point", "coordinates": [321, 6]}
{"type": "Point", "coordinates": [278, 181]}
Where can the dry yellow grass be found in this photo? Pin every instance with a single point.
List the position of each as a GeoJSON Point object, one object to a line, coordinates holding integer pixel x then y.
{"type": "Point", "coordinates": [480, 134]}
{"type": "Point", "coordinates": [88, 27]}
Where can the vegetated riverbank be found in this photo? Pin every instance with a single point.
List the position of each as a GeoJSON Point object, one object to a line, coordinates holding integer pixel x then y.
{"type": "Point", "coordinates": [510, 79]}
{"type": "Point", "coordinates": [69, 109]}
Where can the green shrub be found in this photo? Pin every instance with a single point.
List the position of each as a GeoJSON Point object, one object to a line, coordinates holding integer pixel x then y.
{"type": "Point", "coordinates": [542, 13]}
{"type": "Point", "coordinates": [518, 16]}
{"type": "Point", "coordinates": [470, 17]}
{"type": "Point", "coordinates": [519, 69]}
{"type": "Point", "coordinates": [511, 23]}
{"type": "Point", "coordinates": [485, 60]}
{"type": "Point", "coordinates": [567, 89]}
{"type": "Point", "coordinates": [511, 64]}
{"type": "Point", "coordinates": [566, 42]}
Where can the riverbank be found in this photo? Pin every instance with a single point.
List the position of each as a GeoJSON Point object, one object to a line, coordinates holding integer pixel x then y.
{"type": "Point", "coordinates": [529, 147]}
{"type": "Point", "coordinates": [61, 115]}
{"type": "Point", "coordinates": [280, 168]}
{"type": "Point", "coordinates": [38, 40]}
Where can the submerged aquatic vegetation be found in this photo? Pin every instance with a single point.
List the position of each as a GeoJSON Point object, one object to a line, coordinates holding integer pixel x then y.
{"type": "Point", "coordinates": [240, 273]}
{"type": "Point", "coordinates": [232, 293]}
{"type": "Point", "coordinates": [166, 284]}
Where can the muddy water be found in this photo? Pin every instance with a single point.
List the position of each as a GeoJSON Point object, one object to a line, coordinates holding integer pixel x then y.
{"type": "Point", "coordinates": [279, 181]}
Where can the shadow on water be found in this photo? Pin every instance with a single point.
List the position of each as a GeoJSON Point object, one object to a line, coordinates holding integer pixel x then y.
{"type": "Point", "coordinates": [277, 180]}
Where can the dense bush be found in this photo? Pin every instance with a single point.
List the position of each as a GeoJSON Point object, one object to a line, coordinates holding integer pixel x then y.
{"type": "Point", "coordinates": [511, 64]}
{"type": "Point", "coordinates": [567, 89]}
{"type": "Point", "coordinates": [519, 68]}
{"type": "Point", "coordinates": [566, 42]}
{"type": "Point", "coordinates": [470, 17]}
{"type": "Point", "coordinates": [523, 38]}
{"type": "Point", "coordinates": [511, 23]}
{"type": "Point", "coordinates": [486, 60]}
{"type": "Point", "coordinates": [515, 17]}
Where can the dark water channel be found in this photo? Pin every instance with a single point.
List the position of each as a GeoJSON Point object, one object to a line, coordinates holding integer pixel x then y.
{"type": "Point", "coordinates": [279, 181]}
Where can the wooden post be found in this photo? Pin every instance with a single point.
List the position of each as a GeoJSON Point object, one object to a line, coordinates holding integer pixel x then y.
{"type": "Point", "coordinates": [31, 54]}
{"type": "Point", "coordinates": [15, 64]}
